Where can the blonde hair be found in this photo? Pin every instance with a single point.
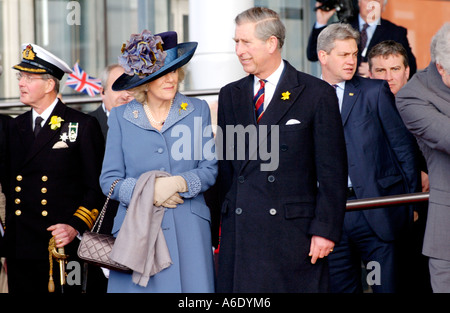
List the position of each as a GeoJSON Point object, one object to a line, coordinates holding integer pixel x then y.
{"type": "Point", "coordinates": [140, 92]}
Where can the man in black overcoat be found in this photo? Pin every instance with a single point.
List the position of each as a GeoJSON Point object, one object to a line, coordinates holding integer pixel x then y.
{"type": "Point", "coordinates": [281, 216]}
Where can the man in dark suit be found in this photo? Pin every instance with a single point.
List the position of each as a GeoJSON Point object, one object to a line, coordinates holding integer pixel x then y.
{"type": "Point", "coordinates": [382, 161]}
{"type": "Point", "coordinates": [388, 60]}
{"type": "Point", "coordinates": [54, 160]}
{"type": "Point", "coordinates": [280, 219]}
{"type": "Point", "coordinates": [110, 97]}
{"type": "Point", "coordinates": [373, 30]}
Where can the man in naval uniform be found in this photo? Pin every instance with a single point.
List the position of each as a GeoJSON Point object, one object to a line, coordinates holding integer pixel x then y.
{"type": "Point", "coordinates": [54, 161]}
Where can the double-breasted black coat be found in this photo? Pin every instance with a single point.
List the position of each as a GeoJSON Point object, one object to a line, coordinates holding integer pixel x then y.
{"type": "Point", "coordinates": [269, 217]}
{"type": "Point", "coordinates": [49, 178]}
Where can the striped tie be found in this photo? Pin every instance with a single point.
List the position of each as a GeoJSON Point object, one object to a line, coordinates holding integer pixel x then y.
{"type": "Point", "coordinates": [258, 100]}
{"type": "Point", "coordinates": [363, 40]}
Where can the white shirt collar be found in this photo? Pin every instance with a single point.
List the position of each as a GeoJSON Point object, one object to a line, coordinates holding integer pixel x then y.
{"type": "Point", "coordinates": [362, 22]}
{"type": "Point", "coordinates": [274, 77]}
{"type": "Point", "coordinates": [105, 110]}
{"type": "Point", "coordinates": [271, 84]}
{"type": "Point", "coordinates": [46, 114]}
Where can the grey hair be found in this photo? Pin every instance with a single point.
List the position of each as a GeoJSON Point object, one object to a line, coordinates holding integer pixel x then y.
{"type": "Point", "coordinates": [105, 74]}
{"type": "Point", "coordinates": [56, 80]}
{"type": "Point", "coordinates": [268, 23]}
{"type": "Point", "coordinates": [440, 47]}
{"type": "Point", "coordinates": [333, 32]}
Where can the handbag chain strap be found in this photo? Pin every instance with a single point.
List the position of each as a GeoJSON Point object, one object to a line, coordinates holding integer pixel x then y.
{"type": "Point", "coordinates": [99, 220]}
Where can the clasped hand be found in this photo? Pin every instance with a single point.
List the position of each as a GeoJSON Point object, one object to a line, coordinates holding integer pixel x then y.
{"type": "Point", "coordinates": [167, 191]}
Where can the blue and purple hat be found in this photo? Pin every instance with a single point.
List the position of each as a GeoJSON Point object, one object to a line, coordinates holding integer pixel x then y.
{"type": "Point", "coordinates": [147, 57]}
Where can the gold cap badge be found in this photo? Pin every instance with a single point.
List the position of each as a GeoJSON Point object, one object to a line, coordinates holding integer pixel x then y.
{"type": "Point", "coordinates": [28, 53]}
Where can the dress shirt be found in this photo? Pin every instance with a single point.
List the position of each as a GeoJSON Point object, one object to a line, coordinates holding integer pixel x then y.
{"type": "Point", "coordinates": [46, 114]}
{"type": "Point", "coordinates": [370, 30]}
{"type": "Point", "coordinates": [340, 87]}
{"type": "Point", "coordinates": [105, 110]}
{"type": "Point", "coordinates": [271, 84]}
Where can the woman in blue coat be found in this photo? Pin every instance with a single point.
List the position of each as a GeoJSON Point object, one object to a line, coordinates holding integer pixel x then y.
{"type": "Point", "coordinates": [163, 130]}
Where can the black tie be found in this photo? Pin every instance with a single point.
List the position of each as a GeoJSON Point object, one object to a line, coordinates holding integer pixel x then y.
{"type": "Point", "coordinates": [37, 125]}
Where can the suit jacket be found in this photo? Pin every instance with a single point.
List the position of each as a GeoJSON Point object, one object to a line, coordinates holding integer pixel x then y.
{"type": "Point", "coordinates": [102, 119]}
{"type": "Point", "coordinates": [385, 31]}
{"type": "Point", "coordinates": [268, 217]}
{"type": "Point", "coordinates": [47, 185]}
{"type": "Point", "coordinates": [3, 124]}
{"type": "Point", "coordinates": [381, 152]}
{"type": "Point", "coordinates": [424, 106]}
{"type": "Point", "coordinates": [4, 120]}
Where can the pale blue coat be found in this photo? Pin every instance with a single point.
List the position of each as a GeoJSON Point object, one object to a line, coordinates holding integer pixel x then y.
{"type": "Point", "coordinates": [184, 146]}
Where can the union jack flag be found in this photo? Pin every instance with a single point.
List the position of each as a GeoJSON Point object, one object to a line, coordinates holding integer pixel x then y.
{"type": "Point", "coordinates": [82, 82]}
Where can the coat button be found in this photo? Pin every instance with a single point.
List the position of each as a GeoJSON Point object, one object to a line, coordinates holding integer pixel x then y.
{"type": "Point", "coordinates": [44, 190]}
{"type": "Point", "coordinates": [160, 150]}
{"type": "Point", "coordinates": [271, 178]}
{"type": "Point", "coordinates": [272, 211]}
{"type": "Point", "coordinates": [19, 178]}
{"type": "Point", "coordinates": [18, 212]}
{"type": "Point", "coordinates": [44, 202]}
{"type": "Point", "coordinates": [44, 213]}
{"type": "Point", "coordinates": [238, 211]}
{"type": "Point", "coordinates": [241, 179]}
{"type": "Point", "coordinates": [18, 189]}
{"type": "Point", "coordinates": [44, 178]}
{"type": "Point", "coordinates": [284, 147]}
{"type": "Point", "coordinates": [17, 201]}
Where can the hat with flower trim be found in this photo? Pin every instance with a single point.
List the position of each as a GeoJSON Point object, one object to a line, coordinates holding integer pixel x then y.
{"type": "Point", "coordinates": [147, 57]}
{"type": "Point", "coordinates": [37, 60]}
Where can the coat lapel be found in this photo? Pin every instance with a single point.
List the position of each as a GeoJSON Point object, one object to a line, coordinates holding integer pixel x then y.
{"type": "Point", "coordinates": [26, 130]}
{"type": "Point", "coordinates": [376, 37]}
{"type": "Point", "coordinates": [279, 106]}
{"type": "Point", "coordinates": [134, 113]}
{"type": "Point", "coordinates": [351, 94]}
{"type": "Point", "coordinates": [46, 134]}
{"type": "Point", "coordinates": [243, 109]}
{"type": "Point", "coordinates": [276, 110]}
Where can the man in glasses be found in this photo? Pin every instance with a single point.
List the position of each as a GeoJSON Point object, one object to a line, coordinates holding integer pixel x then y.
{"type": "Point", "coordinates": [54, 159]}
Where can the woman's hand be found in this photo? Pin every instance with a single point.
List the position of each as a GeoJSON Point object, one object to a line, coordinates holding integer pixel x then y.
{"type": "Point", "coordinates": [166, 187]}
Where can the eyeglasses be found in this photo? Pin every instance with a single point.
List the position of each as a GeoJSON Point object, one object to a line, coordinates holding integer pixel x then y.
{"type": "Point", "coordinates": [28, 79]}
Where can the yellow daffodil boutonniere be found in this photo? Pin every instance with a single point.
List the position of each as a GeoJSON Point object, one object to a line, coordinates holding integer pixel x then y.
{"type": "Point", "coordinates": [285, 95]}
{"type": "Point", "coordinates": [55, 122]}
{"type": "Point", "coordinates": [183, 107]}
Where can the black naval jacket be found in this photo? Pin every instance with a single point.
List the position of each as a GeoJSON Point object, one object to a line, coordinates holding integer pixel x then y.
{"type": "Point", "coordinates": [50, 177]}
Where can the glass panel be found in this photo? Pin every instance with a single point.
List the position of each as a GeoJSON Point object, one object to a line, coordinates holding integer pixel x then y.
{"type": "Point", "coordinates": [129, 17]}
{"type": "Point", "coordinates": [73, 31]}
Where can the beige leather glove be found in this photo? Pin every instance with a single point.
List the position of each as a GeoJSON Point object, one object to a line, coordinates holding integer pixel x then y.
{"type": "Point", "coordinates": [173, 201]}
{"type": "Point", "coordinates": [166, 187]}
